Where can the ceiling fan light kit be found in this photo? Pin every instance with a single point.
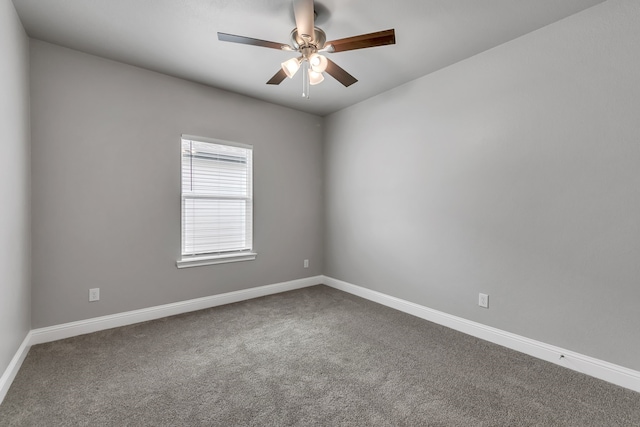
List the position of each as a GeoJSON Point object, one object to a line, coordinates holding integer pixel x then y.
{"type": "Point", "coordinates": [308, 40]}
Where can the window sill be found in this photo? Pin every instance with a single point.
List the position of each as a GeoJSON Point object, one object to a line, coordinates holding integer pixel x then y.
{"type": "Point", "coordinates": [197, 261]}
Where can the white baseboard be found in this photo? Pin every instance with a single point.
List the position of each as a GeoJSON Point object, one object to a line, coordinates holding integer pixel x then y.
{"type": "Point", "coordinates": [594, 367]}
{"type": "Point", "coordinates": [72, 329]}
{"type": "Point", "coordinates": [600, 369]}
{"type": "Point", "coordinates": [14, 366]}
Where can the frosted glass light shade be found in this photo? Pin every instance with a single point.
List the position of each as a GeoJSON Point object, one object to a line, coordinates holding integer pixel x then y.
{"type": "Point", "coordinates": [315, 78]}
{"type": "Point", "coordinates": [291, 67]}
{"type": "Point", "coordinates": [318, 63]}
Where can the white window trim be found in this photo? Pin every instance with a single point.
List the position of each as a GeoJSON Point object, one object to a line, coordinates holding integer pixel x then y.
{"type": "Point", "coordinates": [223, 258]}
{"type": "Point", "coordinates": [199, 260]}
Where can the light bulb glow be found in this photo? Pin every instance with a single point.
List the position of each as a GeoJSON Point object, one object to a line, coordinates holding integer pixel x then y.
{"type": "Point", "coordinates": [291, 67]}
{"type": "Point", "coordinates": [318, 62]}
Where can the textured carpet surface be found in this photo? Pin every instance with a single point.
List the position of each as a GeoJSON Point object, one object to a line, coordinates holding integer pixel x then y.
{"type": "Point", "coordinates": [315, 356]}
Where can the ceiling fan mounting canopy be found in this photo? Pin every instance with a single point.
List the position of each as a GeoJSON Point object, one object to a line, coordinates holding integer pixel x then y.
{"type": "Point", "coordinates": [309, 41]}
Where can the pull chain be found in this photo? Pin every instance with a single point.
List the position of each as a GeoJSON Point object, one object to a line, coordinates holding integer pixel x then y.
{"type": "Point", "coordinates": [305, 78]}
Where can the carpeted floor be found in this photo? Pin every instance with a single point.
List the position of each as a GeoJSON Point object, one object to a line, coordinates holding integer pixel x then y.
{"type": "Point", "coordinates": [315, 356]}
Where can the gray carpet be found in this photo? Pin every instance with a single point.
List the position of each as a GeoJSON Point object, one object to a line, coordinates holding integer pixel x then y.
{"type": "Point", "coordinates": [315, 356]}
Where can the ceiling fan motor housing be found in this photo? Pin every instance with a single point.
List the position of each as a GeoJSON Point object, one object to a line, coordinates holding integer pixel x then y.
{"type": "Point", "coordinates": [318, 41]}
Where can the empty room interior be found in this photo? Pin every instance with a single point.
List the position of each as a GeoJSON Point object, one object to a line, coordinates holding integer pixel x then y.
{"type": "Point", "coordinates": [445, 231]}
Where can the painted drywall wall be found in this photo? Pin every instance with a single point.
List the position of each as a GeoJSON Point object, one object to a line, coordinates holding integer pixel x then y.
{"type": "Point", "coordinates": [15, 286]}
{"type": "Point", "coordinates": [106, 186]}
{"type": "Point", "coordinates": [514, 173]}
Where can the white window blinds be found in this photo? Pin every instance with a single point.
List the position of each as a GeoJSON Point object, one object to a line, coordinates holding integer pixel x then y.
{"type": "Point", "coordinates": [217, 198]}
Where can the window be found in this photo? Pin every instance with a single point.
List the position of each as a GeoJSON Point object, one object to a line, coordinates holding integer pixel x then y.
{"type": "Point", "coordinates": [217, 202]}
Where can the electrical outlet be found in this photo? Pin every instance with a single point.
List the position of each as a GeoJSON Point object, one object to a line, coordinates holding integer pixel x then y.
{"type": "Point", "coordinates": [94, 294]}
{"type": "Point", "coordinates": [483, 300]}
{"type": "Point", "coordinates": [306, 263]}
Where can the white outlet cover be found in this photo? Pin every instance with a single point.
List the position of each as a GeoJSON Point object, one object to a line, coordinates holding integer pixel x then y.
{"type": "Point", "coordinates": [94, 294]}
{"type": "Point", "coordinates": [483, 300]}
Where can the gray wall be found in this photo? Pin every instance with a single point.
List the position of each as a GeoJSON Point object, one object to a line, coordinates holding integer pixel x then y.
{"type": "Point", "coordinates": [514, 173]}
{"type": "Point", "coordinates": [106, 186]}
{"type": "Point", "coordinates": [15, 237]}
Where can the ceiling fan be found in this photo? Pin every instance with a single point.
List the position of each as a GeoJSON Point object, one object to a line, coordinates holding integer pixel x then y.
{"type": "Point", "coordinates": [310, 41]}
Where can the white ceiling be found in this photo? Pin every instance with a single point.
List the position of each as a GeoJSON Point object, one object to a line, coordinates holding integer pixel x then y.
{"type": "Point", "coordinates": [178, 37]}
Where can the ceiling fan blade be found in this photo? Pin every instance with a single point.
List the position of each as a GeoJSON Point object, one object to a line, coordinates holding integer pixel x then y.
{"type": "Point", "coordinates": [339, 74]}
{"type": "Point", "coordinates": [362, 41]}
{"type": "Point", "coordinates": [303, 12]}
{"type": "Point", "coordinates": [277, 78]}
{"type": "Point", "coordinates": [248, 40]}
